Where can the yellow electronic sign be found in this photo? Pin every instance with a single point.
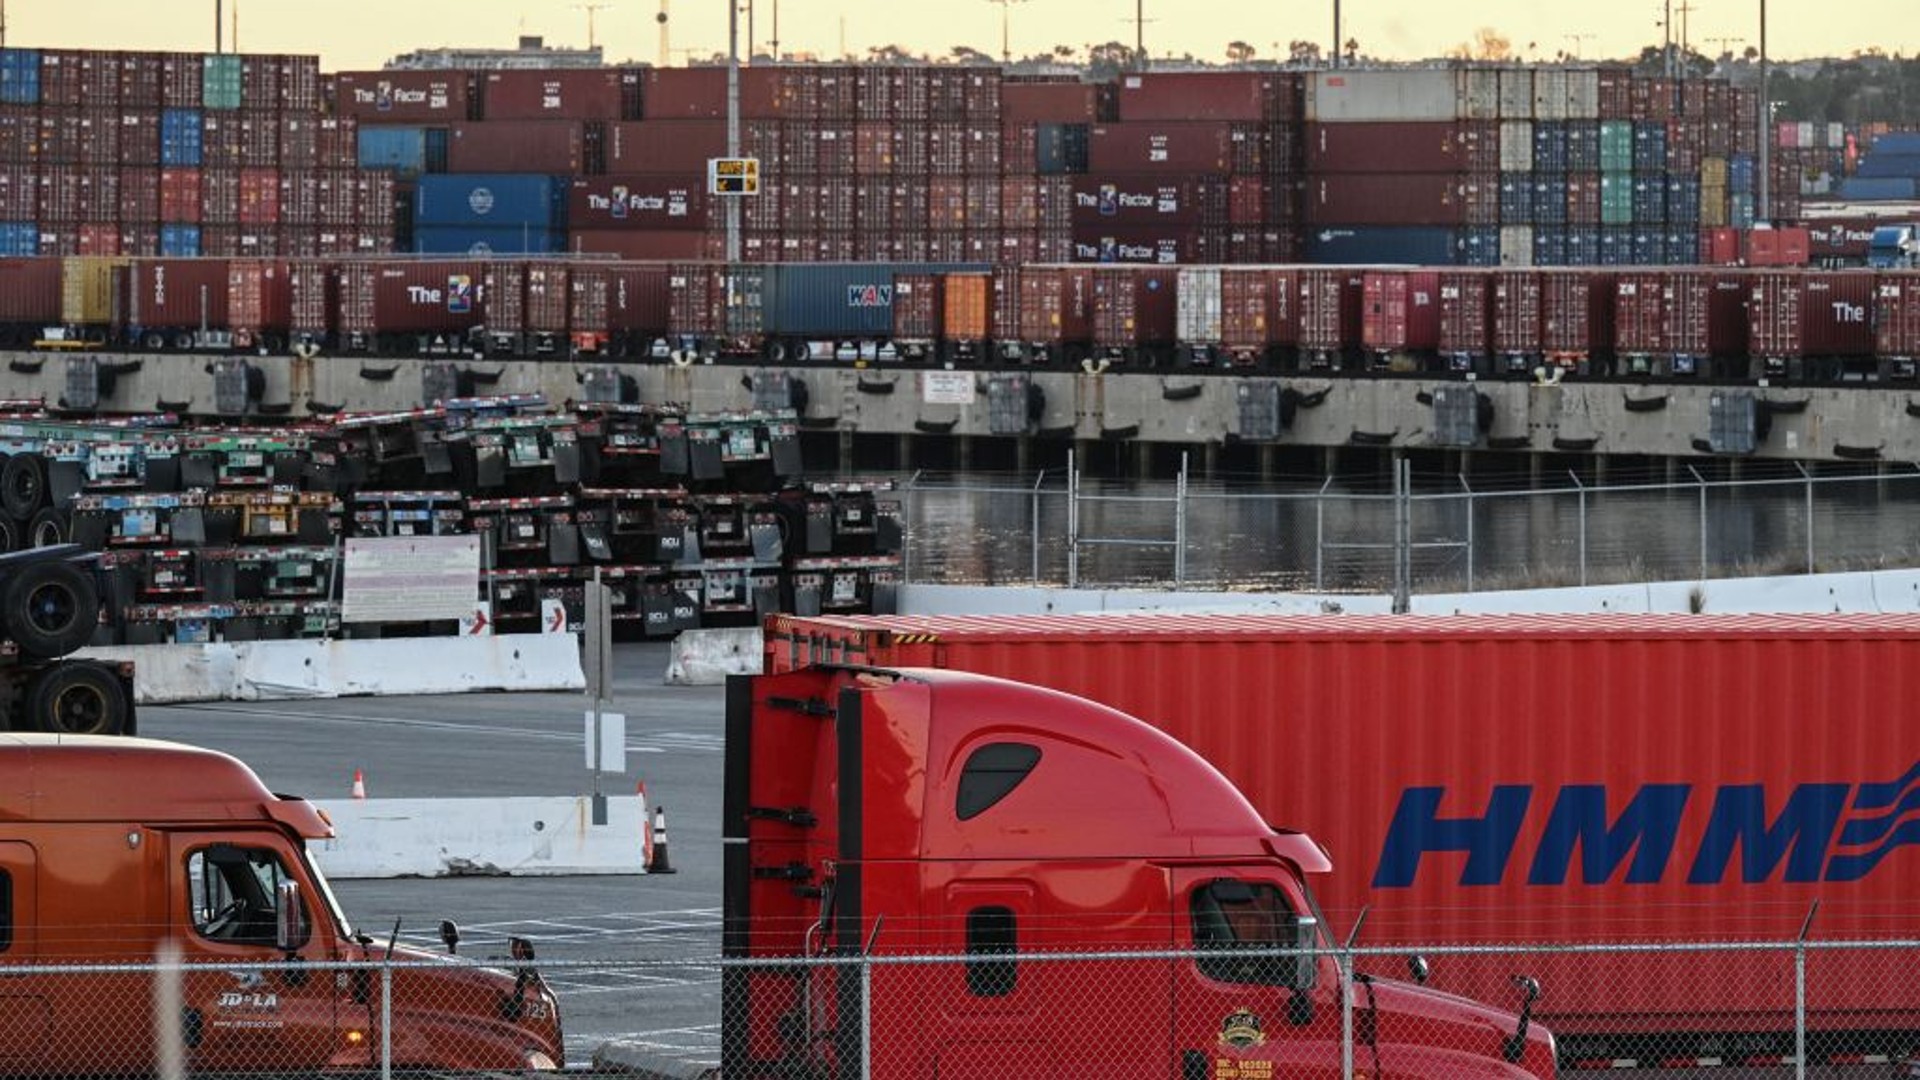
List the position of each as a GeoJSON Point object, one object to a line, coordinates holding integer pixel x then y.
{"type": "Point", "coordinates": [733, 176]}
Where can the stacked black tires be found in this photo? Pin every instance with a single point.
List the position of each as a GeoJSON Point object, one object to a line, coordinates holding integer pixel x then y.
{"type": "Point", "coordinates": [50, 608]}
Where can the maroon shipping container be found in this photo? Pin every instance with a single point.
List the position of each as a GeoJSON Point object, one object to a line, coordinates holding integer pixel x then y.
{"type": "Point", "coordinates": [20, 134]}
{"type": "Point", "coordinates": [1257, 307]}
{"type": "Point", "coordinates": [260, 140]}
{"type": "Point", "coordinates": [259, 298]}
{"type": "Point", "coordinates": [221, 140]}
{"type": "Point", "coordinates": [140, 80]}
{"type": "Point", "coordinates": [299, 142]}
{"type": "Point", "coordinates": [1896, 314]}
{"type": "Point", "coordinates": [311, 290]}
{"type": "Point", "coordinates": [19, 193]}
{"type": "Point", "coordinates": [1833, 241]}
{"type": "Point", "coordinates": [339, 143]}
{"type": "Point", "coordinates": [547, 296]}
{"type": "Point", "coordinates": [1583, 198]}
{"type": "Point", "coordinates": [1402, 147]}
{"type": "Point", "coordinates": [180, 202]}
{"type": "Point", "coordinates": [174, 293]}
{"type": "Point", "coordinates": [1774, 310]}
{"type": "Point", "coordinates": [300, 84]}
{"type": "Point", "coordinates": [1192, 147]}
{"type": "Point", "coordinates": [1616, 93]}
{"type": "Point", "coordinates": [1578, 312]}
{"type": "Point", "coordinates": [1480, 198]}
{"type": "Point", "coordinates": [1466, 309]}
{"type": "Point", "coordinates": [679, 147]}
{"type": "Point", "coordinates": [643, 201]}
{"type": "Point", "coordinates": [1640, 301]}
{"type": "Point", "coordinates": [140, 139]}
{"type": "Point", "coordinates": [182, 75]}
{"type": "Point", "coordinates": [1163, 244]}
{"type": "Point", "coordinates": [555, 94]}
{"type": "Point", "coordinates": [1385, 199]}
{"type": "Point", "coordinates": [139, 195]}
{"type": "Point", "coordinates": [672, 244]}
{"type": "Point", "coordinates": [637, 298]}
{"type": "Point", "coordinates": [1516, 299]}
{"type": "Point", "coordinates": [139, 239]}
{"type": "Point", "coordinates": [1331, 300]}
{"type": "Point", "coordinates": [262, 81]}
{"type": "Point", "coordinates": [1134, 306]}
{"type": "Point", "coordinates": [219, 196]}
{"type": "Point", "coordinates": [1401, 310]}
{"type": "Point", "coordinates": [1205, 95]}
{"type": "Point", "coordinates": [696, 298]}
{"type": "Point", "coordinates": [1836, 311]}
{"type": "Point", "coordinates": [99, 135]}
{"type": "Point", "coordinates": [1055, 304]}
{"type": "Point", "coordinates": [1150, 200]}
{"type": "Point", "coordinates": [259, 197]}
{"type": "Point", "coordinates": [1047, 103]}
{"type": "Point", "coordinates": [404, 97]}
{"type": "Point", "coordinates": [1705, 312]}
{"type": "Point", "coordinates": [698, 93]}
{"type": "Point", "coordinates": [300, 198]}
{"type": "Point", "coordinates": [414, 297]}
{"type": "Point", "coordinates": [517, 146]}
{"type": "Point", "coordinates": [99, 238]}
{"type": "Point", "coordinates": [29, 292]}
{"type": "Point", "coordinates": [918, 309]}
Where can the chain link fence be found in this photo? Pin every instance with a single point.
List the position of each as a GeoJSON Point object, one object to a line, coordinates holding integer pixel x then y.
{"type": "Point", "coordinates": [1238, 1008]}
{"type": "Point", "coordinates": [1338, 534]}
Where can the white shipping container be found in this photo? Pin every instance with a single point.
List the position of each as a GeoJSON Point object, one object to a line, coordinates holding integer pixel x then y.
{"type": "Point", "coordinates": [1516, 146]}
{"type": "Point", "coordinates": [1480, 93]}
{"type": "Point", "coordinates": [1803, 134]}
{"type": "Point", "coordinates": [1550, 94]}
{"type": "Point", "coordinates": [1197, 318]}
{"type": "Point", "coordinates": [1583, 94]}
{"type": "Point", "coordinates": [1836, 136]}
{"type": "Point", "coordinates": [1516, 245]}
{"type": "Point", "coordinates": [1516, 93]}
{"type": "Point", "coordinates": [1424, 94]}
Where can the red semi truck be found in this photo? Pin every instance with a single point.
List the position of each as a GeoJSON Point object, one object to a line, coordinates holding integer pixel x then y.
{"type": "Point", "coordinates": [1539, 780]}
{"type": "Point", "coordinates": [902, 814]}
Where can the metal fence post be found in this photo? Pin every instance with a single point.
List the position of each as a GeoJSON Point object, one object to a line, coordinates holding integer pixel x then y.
{"type": "Point", "coordinates": [1073, 522]}
{"type": "Point", "coordinates": [1180, 526]}
{"type": "Point", "coordinates": [1809, 486]}
{"type": "Point", "coordinates": [1468, 488]}
{"type": "Point", "coordinates": [1320, 537]}
{"type": "Point", "coordinates": [906, 549]}
{"type": "Point", "coordinates": [1034, 536]}
{"type": "Point", "coordinates": [866, 1017]}
{"type": "Point", "coordinates": [386, 1018]}
{"type": "Point", "coordinates": [1702, 481]}
{"type": "Point", "coordinates": [1800, 994]}
{"type": "Point", "coordinates": [1582, 489]}
{"type": "Point", "coordinates": [1345, 958]}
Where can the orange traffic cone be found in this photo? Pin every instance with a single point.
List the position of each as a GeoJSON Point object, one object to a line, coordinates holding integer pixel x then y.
{"type": "Point", "coordinates": [359, 785]}
{"type": "Point", "coordinates": [659, 863]}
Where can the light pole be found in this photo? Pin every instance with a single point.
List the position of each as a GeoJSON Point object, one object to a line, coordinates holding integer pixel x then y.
{"type": "Point", "coordinates": [1336, 33]}
{"type": "Point", "coordinates": [1763, 209]}
{"type": "Point", "coordinates": [1006, 40]}
{"type": "Point", "coordinates": [733, 123]}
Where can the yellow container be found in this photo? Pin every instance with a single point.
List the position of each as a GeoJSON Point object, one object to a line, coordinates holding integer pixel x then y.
{"type": "Point", "coordinates": [1713, 172]}
{"type": "Point", "coordinates": [1713, 205]}
{"type": "Point", "coordinates": [87, 293]}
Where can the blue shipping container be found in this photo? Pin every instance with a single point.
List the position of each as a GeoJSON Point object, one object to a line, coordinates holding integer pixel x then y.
{"type": "Point", "coordinates": [1740, 210]}
{"type": "Point", "coordinates": [1897, 142]}
{"type": "Point", "coordinates": [1881, 166]}
{"type": "Point", "coordinates": [1741, 171]}
{"type": "Point", "coordinates": [1649, 248]}
{"type": "Point", "coordinates": [1550, 146]}
{"type": "Point", "coordinates": [838, 299]}
{"type": "Point", "coordinates": [1649, 146]}
{"type": "Point", "coordinates": [401, 149]}
{"type": "Point", "coordinates": [1549, 246]}
{"type": "Point", "coordinates": [484, 241]}
{"type": "Point", "coordinates": [1583, 246]}
{"type": "Point", "coordinates": [1516, 198]}
{"type": "Point", "coordinates": [180, 138]}
{"type": "Point", "coordinates": [1616, 246]}
{"type": "Point", "coordinates": [1550, 199]}
{"type": "Point", "coordinates": [496, 200]}
{"type": "Point", "coordinates": [1583, 146]}
{"type": "Point", "coordinates": [19, 238]}
{"type": "Point", "coordinates": [180, 241]}
{"type": "Point", "coordinates": [1059, 149]}
{"type": "Point", "coordinates": [1682, 247]}
{"type": "Point", "coordinates": [20, 76]}
{"type": "Point", "coordinates": [1650, 199]}
{"type": "Point", "coordinates": [1415, 245]}
{"type": "Point", "coordinates": [1871, 190]}
{"type": "Point", "coordinates": [1683, 199]}
{"type": "Point", "coordinates": [1480, 246]}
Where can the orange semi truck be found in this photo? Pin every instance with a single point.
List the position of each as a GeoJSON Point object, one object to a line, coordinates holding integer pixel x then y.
{"type": "Point", "coordinates": [111, 846]}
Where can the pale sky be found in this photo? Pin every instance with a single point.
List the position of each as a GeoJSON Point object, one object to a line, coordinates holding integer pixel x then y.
{"type": "Point", "coordinates": [352, 34]}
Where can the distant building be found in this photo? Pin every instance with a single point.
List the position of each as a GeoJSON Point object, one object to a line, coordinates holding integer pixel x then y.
{"type": "Point", "coordinates": [532, 53]}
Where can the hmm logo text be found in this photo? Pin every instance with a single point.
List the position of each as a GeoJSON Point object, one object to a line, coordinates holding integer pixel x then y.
{"type": "Point", "coordinates": [1807, 833]}
{"type": "Point", "coordinates": [869, 296]}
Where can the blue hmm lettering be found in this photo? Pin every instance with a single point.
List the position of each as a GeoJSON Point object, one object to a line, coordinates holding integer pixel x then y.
{"type": "Point", "coordinates": [1648, 828]}
{"type": "Point", "coordinates": [1417, 829]}
{"type": "Point", "coordinates": [1800, 835]}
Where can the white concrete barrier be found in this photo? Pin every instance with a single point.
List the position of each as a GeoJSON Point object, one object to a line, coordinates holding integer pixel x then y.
{"type": "Point", "coordinates": [387, 838]}
{"type": "Point", "coordinates": [707, 657]}
{"type": "Point", "coordinates": [279, 670]}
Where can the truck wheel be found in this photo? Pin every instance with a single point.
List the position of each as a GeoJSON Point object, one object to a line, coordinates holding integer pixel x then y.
{"type": "Point", "coordinates": [23, 485]}
{"type": "Point", "coordinates": [78, 699]}
{"type": "Point", "coordinates": [50, 608]}
{"type": "Point", "coordinates": [49, 527]}
{"type": "Point", "coordinates": [9, 534]}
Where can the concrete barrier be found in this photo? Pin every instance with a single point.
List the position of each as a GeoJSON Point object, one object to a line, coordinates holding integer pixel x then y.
{"type": "Point", "coordinates": [388, 838]}
{"type": "Point", "coordinates": [281, 670]}
{"type": "Point", "coordinates": [707, 657]}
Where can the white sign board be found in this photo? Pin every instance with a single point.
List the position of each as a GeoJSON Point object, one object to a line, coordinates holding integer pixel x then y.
{"type": "Point", "coordinates": [613, 741]}
{"type": "Point", "coordinates": [410, 578]}
{"type": "Point", "coordinates": [947, 387]}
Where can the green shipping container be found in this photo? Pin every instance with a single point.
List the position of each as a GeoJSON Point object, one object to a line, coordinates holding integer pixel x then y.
{"type": "Point", "coordinates": [221, 88]}
{"type": "Point", "coordinates": [1616, 146]}
{"type": "Point", "coordinates": [1616, 198]}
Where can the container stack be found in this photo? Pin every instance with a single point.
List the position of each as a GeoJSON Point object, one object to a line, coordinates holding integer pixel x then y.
{"type": "Point", "coordinates": [1889, 171]}
{"type": "Point", "coordinates": [182, 154]}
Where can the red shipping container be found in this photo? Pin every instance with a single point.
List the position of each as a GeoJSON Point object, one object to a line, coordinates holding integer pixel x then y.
{"type": "Point", "coordinates": [219, 196]}
{"type": "Point", "coordinates": [1055, 304]}
{"type": "Point", "coordinates": [1896, 314]}
{"type": "Point", "coordinates": [311, 288]}
{"type": "Point", "coordinates": [1616, 93]}
{"type": "Point", "coordinates": [1133, 306]}
{"type": "Point", "coordinates": [139, 240]}
{"type": "Point", "coordinates": [139, 140]}
{"type": "Point", "coordinates": [182, 75]}
{"type": "Point", "coordinates": [614, 299]}
{"type": "Point", "coordinates": [1249, 96]}
{"type": "Point", "coordinates": [1705, 313]}
{"type": "Point", "coordinates": [404, 97]}
{"type": "Point", "coordinates": [259, 197]}
{"type": "Point", "coordinates": [1466, 307]}
{"type": "Point", "coordinates": [679, 147]}
{"type": "Point", "coordinates": [140, 195]}
{"type": "Point", "coordinates": [1516, 298]}
{"type": "Point", "coordinates": [338, 143]}
{"type": "Point", "coordinates": [299, 200]}
{"type": "Point", "coordinates": [698, 93]}
{"type": "Point", "coordinates": [1774, 311]}
{"type": "Point", "coordinates": [1402, 310]}
{"type": "Point", "coordinates": [1330, 308]}
{"type": "Point", "coordinates": [1163, 245]}
{"type": "Point", "coordinates": [19, 193]}
{"type": "Point", "coordinates": [1256, 309]}
{"type": "Point", "coordinates": [140, 80]}
{"type": "Point", "coordinates": [1795, 245]}
{"type": "Point", "coordinates": [99, 238]}
{"type": "Point", "coordinates": [299, 142]}
{"type": "Point", "coordinates": [414, 297]}
{"type": "Point", "coordinates": [164, 293]}
{"type": "Point", "coordinates": [1402, 148]}
{"type": "Point", "coordinates": [554, 94]}
{"type": "Point", "coordinates": [1047, 103]}
{"type": "Point", "coordinates": [1385, 199]}
{"type": "Point", "coordinates": [1578, 314]}
{"type": "Point", "coordinates": [259, 299]}
{"type": "Point", "coordinates": [1150, 200]}
{"type": "Point", "coordinates": [638, 202]}
{"type": "Point", "coordinates": [917, 308]}
{"type": "Point", "coordinates": [518, 146]}
{"type": "Point", "coordinates": [547, 296]}
{"type": "Point", "coordinates": [1720, 247]}
{"type": "Point", "coordinates": [1836, 311]}
{"type": "Point", "coordinates": [1160, 147]}
{"type": "Point", "coordinates": [873, 148]}
{"type": "Point", "coordinates": [1640, 301]}
{"type": "Point", "coordinates": [29, 293]}
{"type": "Point", "coordinates": [641, 244]}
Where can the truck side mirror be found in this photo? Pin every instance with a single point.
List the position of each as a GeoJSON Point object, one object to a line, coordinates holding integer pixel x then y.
{"type": "Point", "coordinates": [1306, 938]}
{"type": "Point", "coordinates": [1419, 969]}
{"type": "Point", "coordinates": [289, 929]}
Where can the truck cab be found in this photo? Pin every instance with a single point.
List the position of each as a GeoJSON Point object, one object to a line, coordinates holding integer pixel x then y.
{"type": "Point", "coordinates": [979, 841]}
{"type": "Point", "coordinates": [111, 847]}
{"type": "Point", "coordinates": [1894, 247]}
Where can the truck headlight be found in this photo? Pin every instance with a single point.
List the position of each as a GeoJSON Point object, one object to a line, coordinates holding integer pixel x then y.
{"type": "Point", "coordinates": [538, 1061]}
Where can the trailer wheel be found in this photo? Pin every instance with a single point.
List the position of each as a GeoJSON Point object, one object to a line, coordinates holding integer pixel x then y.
{"type": "Point", "coordinates": [78, 699]}
{"type": "Point", "coordinates": [23, 485]}
{"type": "Point", "coordinates": [9, 534]}
{"type": "Point", "coordinates": [51, 608]}
{"type": "Point", "coordinates": [49, 526]}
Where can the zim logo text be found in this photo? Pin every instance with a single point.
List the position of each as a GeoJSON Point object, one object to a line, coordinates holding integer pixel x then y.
{"type": "Point", "coordinates": [1811, 832]}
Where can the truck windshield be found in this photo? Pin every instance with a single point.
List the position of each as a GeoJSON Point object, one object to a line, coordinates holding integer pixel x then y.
{"type": "Point", "coordinates": [325, 889]}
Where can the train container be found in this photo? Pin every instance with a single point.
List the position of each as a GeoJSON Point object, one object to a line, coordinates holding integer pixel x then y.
{"type": "Point", "coordinates": [1704, 319]}
{"type": "Point", "coordinates": [1578, 314]}
{"type": "Point", "coordinates": [967, 312]}
{"type": "Point", "coordinates": [547, 301]}
{"type": "Point", "coordinates": [643, 201]}
{"type": "Point", "coordinates": [1640, 300]}
{"type": "Point", "coordinates": [1150, 200]}
{"type": "Point", "coordinates": [917, 314]}
{"type": "Point", "coordinates": [486, 241]}
{"type": "Point", "coordinates": [1409, 95]}
{"type": "Point", "coordinates": [1415, 199]}
{"type": "Point", "coordinates": [1412, 245]}
{"type": "Point", "coordinates": [167, 302]}
{"type": "Point", "coordinates": [30, 292]}
{"type": "Point", "coordinates": [1055, 310]}
{"type": "Point", "coordinates": [410, 305]}
{"type": "Point", "coordinates": [1838, 333]}
{"type": "Point", "coordinates": [504, 200]}
{"type": "Point", "coordinates": [680, 147]}
{"type": "Point", "coordinates": [827, 300]}
{"type": "Point", "coordinates": [1242, 96]}
{"type": "Point", "coordinates": [1516, 300]}
{"type": "Point", "coordinates": [1331, 306]}
{"type": "Point", "coordinates": [404, 97]}
{"type": "Point", "coordinates": [1197, 309]}
{"type": "Point", "coordinates": [1178, 147]}
{"type": "Point", "coordinates": [259, 303]}
{"type": "Point", "coordinates": [1896, 317]}
{"type": "Point", "coordinates": [1394, 771]}
{"type": "Point", "coordinates": [618, 309]}
{"type": "Point", "coordinates": [1400, 311]}
{"type": "Point", "coordinates": [517, 146]}
{"type": "Point", "coordinates": [1062, 103]}
{"type": "Point", "coordinates": [1463, 146]}
{"type": "Point", "coordinates": [1134, 313]}
{"type": "Point", "coordinates": [1465, 332]}
{"type": "Point", "coordinates": [557, 94]}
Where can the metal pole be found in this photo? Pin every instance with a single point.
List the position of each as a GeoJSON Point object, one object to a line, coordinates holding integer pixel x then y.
{"type": "Point", "coordinates": [733, 124]}
{"type": "Point", "coordinates": [1140, 33]}
{"type": "Point", "coordinates": [1764, 205]}
{"type": "Point", "coordinates": [1034, 537]}
{"type": "Point", "coordinates": [1402, 535]}
{"type": "Point", "coordinates": [1583, 524]}
{"type": "Point", "coordinates": [1468, 488]}
{"type": "Point", "coordinates": [1320, 537]}
{"type": "Point", "coordinates": [866, 1018]}
{"type": "Point", "coordinates": [1336, 34]}
{"type": "Point", "coordinates": [1180, 526]}
{"type": "Point", "coordinates": [386, 1019]}
{"type": "Point", "coordinates": [1702, 481]}
{"type": "Point", "coordinates": [1809, 479]}
{"type": "Point", "coordinates": [1800, 994]}
{"type": "Point", "coordinates": [1666, 45]}
{"type": "Point", "coordinates": [906, 550]}
{"type": "Point", "coordinates": [1073, 521]}
{"type": "Point", "coordinates": [218, 22]}
{"type": "Point", "coordinates": [1346, 1014]}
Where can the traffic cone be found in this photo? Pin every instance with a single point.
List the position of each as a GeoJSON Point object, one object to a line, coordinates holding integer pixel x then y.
{"type": "Point", "coordinates": [359, 785]}
{"type": "Point", "coordinates": [646, 833]}
{"type": "Point", "coordinates": [659, 863]}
